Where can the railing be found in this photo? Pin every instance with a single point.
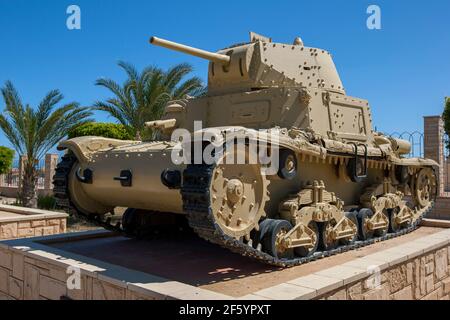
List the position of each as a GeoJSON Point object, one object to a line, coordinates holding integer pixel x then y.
{"type": "Point", "coordinates": [417, 150]}
{"type": "Point", "coordinates": [415, 139]}
{"type": "Point", "coordinates": [10, 181]}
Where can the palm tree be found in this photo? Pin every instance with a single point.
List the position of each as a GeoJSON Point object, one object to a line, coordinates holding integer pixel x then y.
{"type": "Point", "coordinates": [144, 94]}
{"type": "Point", "coordinates": [33, 132]}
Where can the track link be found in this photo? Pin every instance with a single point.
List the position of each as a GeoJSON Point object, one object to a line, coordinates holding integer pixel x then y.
{"type": "Point", "coordinates": [61, 193]}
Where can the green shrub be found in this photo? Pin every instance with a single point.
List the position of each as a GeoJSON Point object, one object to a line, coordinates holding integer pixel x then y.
{"type": "Point", "coordinates": [6, 159]}
{"type": "Point", "coordinates": [46, 202]}
{"type": "Point", "coordinates": [101, 129]}
{"type": "Point", "coordinates": [446, 115]}
{"type": "Point", "coordinates": [446, 118]}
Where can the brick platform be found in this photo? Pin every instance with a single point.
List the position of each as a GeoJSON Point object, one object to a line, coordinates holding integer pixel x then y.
{"type": "Point", "coordinates": [30, 269]}
{"type": "Point", "coordinates": [417, 267]}
{"type": "Point", "coordinates": [413, 271]}
{"type": "Point", "coordinates": [18, 222]}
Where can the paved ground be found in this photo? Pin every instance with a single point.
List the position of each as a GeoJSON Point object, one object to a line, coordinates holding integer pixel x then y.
{"type": "Point", "coordinates": [194, 261]}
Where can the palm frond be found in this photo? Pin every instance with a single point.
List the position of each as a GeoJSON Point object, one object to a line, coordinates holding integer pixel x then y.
{"type": "Point", "coordinates": [175, 74]}
{"type": "Point", "coordinates": [32, 132]}
{"type": "Point", "coordinates": [192, 87]}
{"type": "Point", "coordinates": [131, 71]}
{"type": "Point", "coordinates": [45, 106]}
{"type": "Point", "coordinates": [143, 96]}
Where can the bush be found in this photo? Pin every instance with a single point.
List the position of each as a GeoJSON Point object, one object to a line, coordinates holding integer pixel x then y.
{"type": "Point", "coordinates": [101, 129]}
{"type": "Point", "coordinates": [46, 202]}
{"type": "Point", "coordinates": [446, 118]}
{"type": "Point", "coordinates": [446, 115]}
{"type": "Point", "coordinates": [6, 159]}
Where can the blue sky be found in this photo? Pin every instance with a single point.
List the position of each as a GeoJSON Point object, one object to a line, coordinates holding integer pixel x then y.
{"type": "Point", "coordinates": [402, 69]}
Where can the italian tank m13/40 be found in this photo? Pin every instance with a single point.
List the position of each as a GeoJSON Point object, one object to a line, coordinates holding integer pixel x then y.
{"type": "Point", "coordinates": [331, 184]}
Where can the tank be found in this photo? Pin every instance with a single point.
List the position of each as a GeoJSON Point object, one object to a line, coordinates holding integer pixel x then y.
{"type": "Point", "coordinates": [275, 162]}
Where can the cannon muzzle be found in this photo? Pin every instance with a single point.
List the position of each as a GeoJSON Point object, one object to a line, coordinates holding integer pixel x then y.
{"type": "Point", "coordinates": [211, 56]}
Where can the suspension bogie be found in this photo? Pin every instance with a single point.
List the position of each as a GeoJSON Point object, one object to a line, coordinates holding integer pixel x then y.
{"type": "Point", "coordinates": [318, 220]}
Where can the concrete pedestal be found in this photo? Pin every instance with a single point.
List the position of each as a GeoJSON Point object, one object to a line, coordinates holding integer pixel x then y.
{"type": "Point", "coordinates": [414, 266]}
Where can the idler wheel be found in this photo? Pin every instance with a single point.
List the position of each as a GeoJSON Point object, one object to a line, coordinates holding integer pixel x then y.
{"type": "Point", "coordinates": [425, 187]}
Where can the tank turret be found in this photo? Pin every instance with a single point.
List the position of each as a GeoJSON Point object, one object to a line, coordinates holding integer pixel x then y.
{"type": "Point", "coordinates": [263, 84]}
{"type": "Point", "coordinates": [262, 63]}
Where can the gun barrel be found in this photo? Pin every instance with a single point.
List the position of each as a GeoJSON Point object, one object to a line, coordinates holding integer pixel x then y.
{"type": "Point", "coordinates": [216, 57]}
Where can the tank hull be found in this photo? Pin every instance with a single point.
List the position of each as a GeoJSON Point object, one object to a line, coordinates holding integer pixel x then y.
{"type": "Point", "coordinates": [145, 162]}
{"type": "Point", "coordinates": [146, 190]}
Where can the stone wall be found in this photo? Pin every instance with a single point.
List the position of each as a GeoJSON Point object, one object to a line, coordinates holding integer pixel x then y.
{"type": "Point", "coordinates": [23, 278]}
{"type": "Point", "coordinates": [30, 269]}
{"type": "Point", "coordinates": [418, 269]}
{"type": "Point", "coordinates": [32, 228]}
{"type": "Point", "coordinates": [16, 222]}
{"type": "Point", "coordinates": [33, 269]}
{"type": "Point", "coordinates": [423, 278]}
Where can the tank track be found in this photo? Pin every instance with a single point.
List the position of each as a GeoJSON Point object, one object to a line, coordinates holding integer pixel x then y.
{"type": "Point", "coordinates": [61, 193]}
{"type": "Point", "coordinates": [196, 195]}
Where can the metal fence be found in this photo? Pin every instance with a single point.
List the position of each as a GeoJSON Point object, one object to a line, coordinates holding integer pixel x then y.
{"type": "Point", "coordinates": [415, 139]}
{"type": "Point", "coordinates": [417, 150]}
{"type": "Point", "coordinates": [12, 178]}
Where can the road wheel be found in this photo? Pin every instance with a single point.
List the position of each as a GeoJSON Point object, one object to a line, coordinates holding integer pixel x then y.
{"type": "Point", "coordinates": [393, 225]}
{"type": "Point", "coordinates": [327, 242]}
{"type": "Point", "coordinates": [352, 217]}
{"type": "Point", "coordinates": [384, 231]}
{"type": "Point", "coordinates": [307, 251]}
{"type": "Point", "coordinates": [129, 221]}
{"type": "Point", "coordinates": [363, 217]}
{"type": "Point", "coordinates": [272, 233]}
